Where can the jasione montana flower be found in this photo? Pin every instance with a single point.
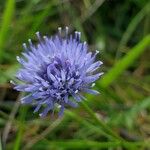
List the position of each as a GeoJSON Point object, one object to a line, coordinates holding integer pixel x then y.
{"type": "Point", "coordinates": [56, 71]}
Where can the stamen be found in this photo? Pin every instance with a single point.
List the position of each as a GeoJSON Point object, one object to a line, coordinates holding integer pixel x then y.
{"type": "Point", "coordinates": [93, 85]}
{"type": "Point", "coordinates": [25, 46]}
{"type": "Point", "coordinates": [18, 58]}
{"type": "Point", "coordinates": [101, 73]}
{"type": "Point", "coordinates": [30, 42]}
{"type": "Point", "coordinates": [67, 29]}
{"type": "Point", "coordinates": [79, 35]}
{"type": "Point", "coordinates": [85, 43]}
{"type": "Point", "coordinates": [38, 35]}
{"type": "Point", "coordinates": [76, 34]}
{"type": "Point", "coordinates": [44, 37]}
{"type": "Point", "coordinates": [59, 31]}
{"type": "Point", "coordinates": [12, 82]}
{"type": "Point", "coordinates": [76, 91]}
{"type": "Point", "coordinates": [97, 51]}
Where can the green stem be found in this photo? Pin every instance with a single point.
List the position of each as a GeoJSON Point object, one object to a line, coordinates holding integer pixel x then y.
{"type": "Point", "coordinates": [132, 26]}
{"type": "Point", "coordinates": [99, 122]}
{"type": "Point", "coordinates": [83, 144]}
{"type": "Point", "coordinates": [97, 129]}
{"type": "Point", "coordinates": [0, 143]}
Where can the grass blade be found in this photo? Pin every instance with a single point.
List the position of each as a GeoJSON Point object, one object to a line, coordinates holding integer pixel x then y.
{"type": "Point", "coordinates": [0, 143]}
{"type": "Point", "coordinates": [106, 128]}
{"type": "Point", "coordinates": [132, 26]}
{"type": "Point", "coordinates": [125, 62]}
{"type": "Point", "coordinates": [23, 111]}
{"type": "Point", "coordinates": [44, 133]}
{"type": "Point", "coordinates": [86, 123]}
{"type": "Point", "coordinates": [121, 65]}
{"type": "Point", "coordinates": [130, 116]}
{"type": "Point", "coordinates": [83, 144]}
{"type": "Point", "coordinates": [118, 68]}
{"type": "Point", "coordinates": [7, 17]}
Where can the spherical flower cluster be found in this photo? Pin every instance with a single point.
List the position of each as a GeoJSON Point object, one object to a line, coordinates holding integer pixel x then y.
{"type": "Point", "coordinates": [56, 71]}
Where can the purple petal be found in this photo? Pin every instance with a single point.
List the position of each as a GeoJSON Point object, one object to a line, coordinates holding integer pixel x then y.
{"type": "Point", "coordinates": [27, 99]}
{"type": "Point", "coordinates": [91, 91]}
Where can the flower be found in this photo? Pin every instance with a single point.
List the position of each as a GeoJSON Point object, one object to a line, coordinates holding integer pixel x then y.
{"type": "Point", "coordinates": [56, 71]}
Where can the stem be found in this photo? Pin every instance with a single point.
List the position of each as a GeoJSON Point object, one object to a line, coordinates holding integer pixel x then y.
{"type": "Point", "coordinates": [99, 122]}
{"type": "Point", "coordinates": [83, 144]}
{"type": "Point", "coordinates": [97, 129]}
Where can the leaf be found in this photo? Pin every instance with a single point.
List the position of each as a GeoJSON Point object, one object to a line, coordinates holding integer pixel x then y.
{"type": "Point", "coordinates": [7, 17]}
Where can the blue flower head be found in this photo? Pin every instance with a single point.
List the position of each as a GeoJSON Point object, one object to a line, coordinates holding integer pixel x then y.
{"type": "Point", "coordinates": [56, 71]}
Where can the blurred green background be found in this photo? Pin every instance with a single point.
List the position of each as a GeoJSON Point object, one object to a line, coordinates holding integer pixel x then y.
{"type": "Point", "coordinates": [118, 118]}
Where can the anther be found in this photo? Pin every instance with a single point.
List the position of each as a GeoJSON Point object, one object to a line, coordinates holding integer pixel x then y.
{"type": "Point", "coordinates": [59, 31]}
{"type": "Point", "coordinates": [97, 51]}
{"type": "Point", "coordinates": [76, 91]}
{"type": "Point", "coordinates": [25, 46]}
{"type": "Point", "coordinates": [30, 42]}
{"type": "Point", "coordinates": [93, 85]}
{"type": "Point", "coordinates": [38, 35]}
